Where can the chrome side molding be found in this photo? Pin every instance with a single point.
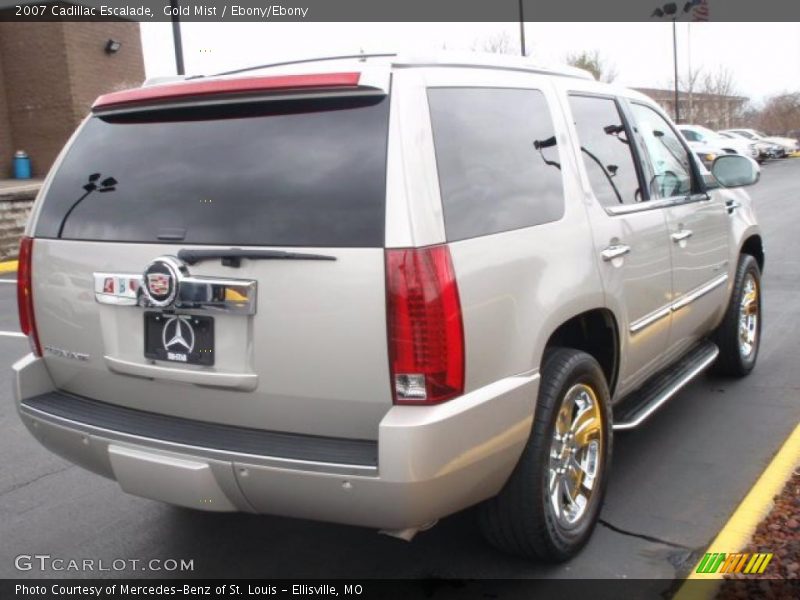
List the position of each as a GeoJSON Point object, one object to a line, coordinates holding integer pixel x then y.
{"type": "Point", "coordinates": [699, 292]}
{"type": "Point", "coordinates": [678, 304]}
{"type": "Point", "coordinates": [651, 318]}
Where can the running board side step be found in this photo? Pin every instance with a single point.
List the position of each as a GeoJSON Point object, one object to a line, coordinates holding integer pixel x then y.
{"type": "Point", "coordinates": [636, 408]}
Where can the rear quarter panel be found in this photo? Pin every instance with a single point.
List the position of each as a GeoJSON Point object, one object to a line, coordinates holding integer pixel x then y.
{"type": "Point", "coordinates": [517, 287]}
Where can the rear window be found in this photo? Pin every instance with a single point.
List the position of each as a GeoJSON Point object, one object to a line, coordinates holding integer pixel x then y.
{"type": "Point", "coordinates": [278, 173]}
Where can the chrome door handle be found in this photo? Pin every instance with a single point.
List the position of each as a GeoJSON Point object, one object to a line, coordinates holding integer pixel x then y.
{"type": "Point", "coordinates": [616, 251]}
{"type": "Point", "coordinates": [732, 205]}
{"type": "Point", "coordinates": [683, 234]}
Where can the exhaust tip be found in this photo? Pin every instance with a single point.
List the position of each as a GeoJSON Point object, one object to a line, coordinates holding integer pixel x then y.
{"type": "Point", "coordinates": [408, 534]}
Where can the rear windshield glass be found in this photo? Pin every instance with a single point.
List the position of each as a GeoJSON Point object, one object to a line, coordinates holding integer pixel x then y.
{"type": "Point", "coordinates": [278, 173]}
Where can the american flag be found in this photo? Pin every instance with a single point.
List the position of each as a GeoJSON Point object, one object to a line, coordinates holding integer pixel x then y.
{"type": "Point", "coordinates": [701, 11]}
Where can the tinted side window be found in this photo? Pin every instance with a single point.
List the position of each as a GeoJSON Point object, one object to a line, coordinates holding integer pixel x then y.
{"type": "Point", "coordinates": [672, 172]}
{"type": "Point", "coordinates": [606, 150]}
{"type": "Point", "coordinates": [283, 173]}
{"type": "Point", "coordinates": [498, 160]}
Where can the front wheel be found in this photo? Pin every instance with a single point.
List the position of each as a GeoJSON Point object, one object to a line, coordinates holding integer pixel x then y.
{"type": "Point", "coordinates": [739, 334]}
{"type": "Point", "coordinates": [550, 504]}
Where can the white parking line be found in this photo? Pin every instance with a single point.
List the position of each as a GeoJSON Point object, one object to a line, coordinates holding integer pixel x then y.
{"type": "Point", "coordinates": [8, 281]}
{"type": "Point", "coordinates": [12, 334]}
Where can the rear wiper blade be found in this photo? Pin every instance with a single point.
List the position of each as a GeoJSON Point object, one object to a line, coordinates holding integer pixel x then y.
{"type": "Point", "coordinates": [232, 257]}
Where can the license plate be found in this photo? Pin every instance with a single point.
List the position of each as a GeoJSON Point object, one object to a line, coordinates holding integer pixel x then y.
{"type": "Point", "coordinates": [186, 339]}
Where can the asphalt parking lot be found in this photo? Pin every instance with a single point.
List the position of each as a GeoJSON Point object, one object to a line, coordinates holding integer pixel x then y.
{"type": "Point", "coordinates": [674, 482]}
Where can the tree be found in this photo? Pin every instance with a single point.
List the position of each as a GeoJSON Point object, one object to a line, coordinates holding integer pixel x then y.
{"type": "Point", "coordinates": [689, 84]}
{"type": "Point", "coordinates": [499, 43]}
{"type": "Point", "coordinates": [781, 114]}
{"type": "Point", "coordinates": [710, 98]}
{"type": "Point", "coordinates": [719, 82]}
{"type": "Point", "coordinates": [595, 64]}
{"type": "Point", "coordinates": [722, 107]}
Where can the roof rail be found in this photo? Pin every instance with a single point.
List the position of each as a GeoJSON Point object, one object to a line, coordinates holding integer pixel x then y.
{"type": "Point", "coordinates": [440, 58]}
{"type": "Point", "coordinates": [298, 62]}
{"type": "Point", "coordinates": [491, 60]}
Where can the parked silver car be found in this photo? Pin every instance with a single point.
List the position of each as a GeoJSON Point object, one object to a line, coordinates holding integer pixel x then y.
{"type": "Point", "coordinates": [380, 291]}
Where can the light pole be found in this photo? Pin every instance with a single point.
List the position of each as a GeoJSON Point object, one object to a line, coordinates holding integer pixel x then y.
{"type": "Point", "coordinates": [670, 10]}
{"type": "Point", "coordinates": [521, 29]}
{"type": "Point", "coordinates": [675, 61]}
{"type": "Point", "coordinates": [176, 36]}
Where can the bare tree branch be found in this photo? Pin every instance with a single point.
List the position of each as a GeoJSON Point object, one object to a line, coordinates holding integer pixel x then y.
{"type": "Point", "coordinates": [780, 115]}
{"type": "Point", "coordinates": [499, 43]}
{"type": "Point", "coordinates": [595, 64]}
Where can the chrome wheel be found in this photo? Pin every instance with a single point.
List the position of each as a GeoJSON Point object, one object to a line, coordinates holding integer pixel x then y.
{"type": "Point", "coordinates": [575, 454]}
{"type": "Point", "coordinates": [748, 317]}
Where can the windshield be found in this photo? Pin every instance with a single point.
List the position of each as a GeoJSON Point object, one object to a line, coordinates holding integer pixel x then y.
{"type": "Point", "coordinates": [708, 133]}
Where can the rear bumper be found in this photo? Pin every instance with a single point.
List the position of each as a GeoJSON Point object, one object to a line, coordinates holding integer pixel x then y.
{"type": "Point", "coordinates": [428, 462]}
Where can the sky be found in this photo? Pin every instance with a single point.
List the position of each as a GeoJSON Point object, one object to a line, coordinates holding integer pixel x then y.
{"type": "Point", "coordinates": [764, 57]}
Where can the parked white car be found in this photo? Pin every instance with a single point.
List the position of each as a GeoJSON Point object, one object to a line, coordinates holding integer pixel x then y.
{"type": "Point", "coordinates": [765, 149]}
{"type": "Point", "coordinates": [788, 144]}
{"type": "Point", "coordinates": [706, 150]}
{"type": "Point", "coordinates": [696, 134]}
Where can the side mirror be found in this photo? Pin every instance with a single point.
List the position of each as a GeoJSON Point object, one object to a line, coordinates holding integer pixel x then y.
{"type": "Point", "coordinates": [734, 170]}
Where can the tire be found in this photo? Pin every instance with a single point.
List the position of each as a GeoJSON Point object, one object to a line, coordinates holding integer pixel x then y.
{"type": "Point", "coordinates": [736, 357]}
{"type": "Point", "coordinates": [522, 519]}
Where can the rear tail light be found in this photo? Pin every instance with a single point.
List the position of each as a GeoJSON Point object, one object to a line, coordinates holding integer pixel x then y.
{"type": "Point", "coordinates": [27, 322]}
{"type": "Point", "coordinates": [426, 333]}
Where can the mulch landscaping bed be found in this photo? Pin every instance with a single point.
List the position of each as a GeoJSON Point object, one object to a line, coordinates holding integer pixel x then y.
{"type": "Point", "coordinates": [778, 533]}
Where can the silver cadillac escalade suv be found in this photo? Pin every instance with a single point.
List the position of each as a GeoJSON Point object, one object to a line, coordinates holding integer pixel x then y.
{"type": "Point", "coordinates": [378, 290]}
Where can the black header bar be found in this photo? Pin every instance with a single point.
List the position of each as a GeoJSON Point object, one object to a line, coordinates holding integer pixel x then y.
{"type": "Point", "coordinates": [231, 11]}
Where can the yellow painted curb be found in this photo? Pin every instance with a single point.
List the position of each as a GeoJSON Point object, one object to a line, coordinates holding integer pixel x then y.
{"type": "Point", "coordinates": [8, 266]}
{"type": "Point", "coordinates": [739, 529]}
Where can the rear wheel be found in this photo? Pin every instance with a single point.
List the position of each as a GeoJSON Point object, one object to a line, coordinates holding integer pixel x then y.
{"type": "Point", "coordinates": [739, 334]}
{"type": "Point", "coordinates": [549, 506]}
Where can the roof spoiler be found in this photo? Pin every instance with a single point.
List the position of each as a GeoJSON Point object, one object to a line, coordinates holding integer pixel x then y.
{"type": "Point", "coordinates": [201, 88]}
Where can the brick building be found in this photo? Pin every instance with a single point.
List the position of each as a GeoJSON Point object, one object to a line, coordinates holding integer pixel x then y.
{"type": "Point", "coordinates": [50, 73]}
{"type": "Point", "coordinates": [715, 111]}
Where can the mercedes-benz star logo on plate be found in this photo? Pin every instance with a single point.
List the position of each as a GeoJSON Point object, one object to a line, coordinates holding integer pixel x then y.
{"type": "Point", "coordinates": [178, 338]}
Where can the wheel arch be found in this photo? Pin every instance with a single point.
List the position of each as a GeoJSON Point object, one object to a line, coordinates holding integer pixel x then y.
{"type": "Point", "coordinates": [754, 246]}
{"type": "Point", "coordinates": [596, 332]}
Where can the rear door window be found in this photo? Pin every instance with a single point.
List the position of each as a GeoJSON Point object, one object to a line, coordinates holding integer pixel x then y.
{"type": "Point", "coordinates": [277, 173]}
{"type": "Point", "coordinates": [498, 160]}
